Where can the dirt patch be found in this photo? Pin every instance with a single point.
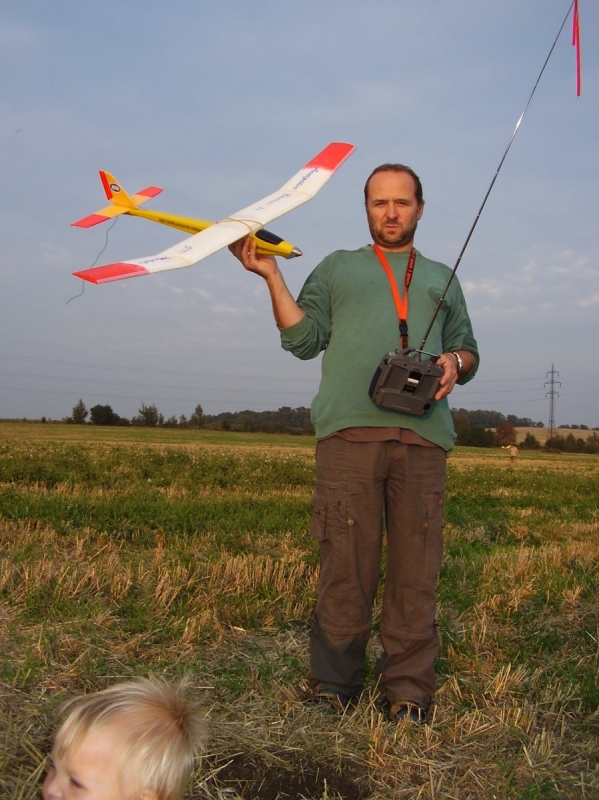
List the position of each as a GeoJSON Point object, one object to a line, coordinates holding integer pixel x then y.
{"type": "Point", "coordinates": [249, 776]}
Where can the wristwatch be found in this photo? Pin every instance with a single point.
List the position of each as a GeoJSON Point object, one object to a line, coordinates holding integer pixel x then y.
{"type": "Point", "coordinates": [458, 358]}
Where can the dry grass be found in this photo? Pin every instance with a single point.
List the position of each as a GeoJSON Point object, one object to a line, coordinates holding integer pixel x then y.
{"type": "Point", "coordinates": [515, 715]}
{"type": "Point", "coordinates": [497, 726]}
{"type": "Point", "coordinates": [494, 730]}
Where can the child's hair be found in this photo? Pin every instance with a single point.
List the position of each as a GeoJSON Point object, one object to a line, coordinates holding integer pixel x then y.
{"type": "Point", "coordinates": [163, 730]}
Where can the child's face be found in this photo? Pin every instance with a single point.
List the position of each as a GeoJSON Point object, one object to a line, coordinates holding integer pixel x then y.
{"type": "Point", "coordinates": [89, 770]}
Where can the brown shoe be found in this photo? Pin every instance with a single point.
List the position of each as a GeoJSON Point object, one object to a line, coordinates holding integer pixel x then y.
{"type": "Point", "coordinates": [409, 711]}
{"type": "Point", "coordinates": [336, 699]}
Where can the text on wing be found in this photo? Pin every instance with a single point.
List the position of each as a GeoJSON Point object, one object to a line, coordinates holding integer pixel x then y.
{"type": "Point", "coordinates": [304, 178]}
{"type": "Point", "coordinates": [153, 260]}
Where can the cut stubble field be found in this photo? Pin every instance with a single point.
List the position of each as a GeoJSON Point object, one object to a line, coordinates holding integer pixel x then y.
{"type": "Point", "coordinates": [134, 552]}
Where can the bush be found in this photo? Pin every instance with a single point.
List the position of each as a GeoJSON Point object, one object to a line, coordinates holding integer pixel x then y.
{"type": "Point", "coordinates": [531, 442]}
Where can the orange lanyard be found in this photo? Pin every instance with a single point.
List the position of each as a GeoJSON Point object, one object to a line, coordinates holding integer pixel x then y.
{"type": "Point", "coordinates": [401, 303]}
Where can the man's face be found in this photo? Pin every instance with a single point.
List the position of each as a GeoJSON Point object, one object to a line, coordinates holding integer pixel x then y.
{"type": "Point", "coordinates": [90, 770]}
{"type": "Point", "coordinates": [392, 210]}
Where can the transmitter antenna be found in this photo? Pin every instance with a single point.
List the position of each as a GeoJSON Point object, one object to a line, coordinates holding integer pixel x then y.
{"type": "Point", "coordinates": [457, 264]}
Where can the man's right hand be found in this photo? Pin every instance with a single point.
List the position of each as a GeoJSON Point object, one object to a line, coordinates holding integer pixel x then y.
{"type": "Point", "coordinates": [245, 251]}
{"type": "Point", "coordinates": [286, 310]}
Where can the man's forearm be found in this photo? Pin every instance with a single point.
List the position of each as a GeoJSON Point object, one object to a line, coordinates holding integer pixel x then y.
{"type": "Point", "coordinates": [286, 310]}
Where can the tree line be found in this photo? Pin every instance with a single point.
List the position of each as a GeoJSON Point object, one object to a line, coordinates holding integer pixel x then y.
{"type": "Point", "coordinates": [284, 420]}
{"type": "Point", "coordinates": [480, 428]}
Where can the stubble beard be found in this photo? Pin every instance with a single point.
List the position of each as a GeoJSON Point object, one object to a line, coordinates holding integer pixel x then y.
{"type": "Point", "coordinates": [402, 238]}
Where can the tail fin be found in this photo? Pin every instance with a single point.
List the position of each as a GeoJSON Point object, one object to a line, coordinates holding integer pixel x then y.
{"type": "Point", "coordinates": [117, 194]}
{"type": "Point", "coordinates": [121, 201]}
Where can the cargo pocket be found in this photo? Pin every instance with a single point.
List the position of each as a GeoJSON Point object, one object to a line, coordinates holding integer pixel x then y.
{"type": "Point", "coordinates": [432, 533]}
{"type": "Point", "coordinates": [318, 524]}
{"type": "Point", "coordinates": [332, 528]}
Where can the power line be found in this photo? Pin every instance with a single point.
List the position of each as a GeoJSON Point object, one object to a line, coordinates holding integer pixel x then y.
{"type": "Point", "coordinates": [83, 365]}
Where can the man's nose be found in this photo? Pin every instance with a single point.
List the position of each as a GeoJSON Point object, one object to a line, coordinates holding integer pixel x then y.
{"type": "Point", "coordinates": [391, 211]}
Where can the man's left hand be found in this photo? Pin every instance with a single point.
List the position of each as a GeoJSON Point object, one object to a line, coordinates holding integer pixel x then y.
{"type": "Point", "coordinates": [449, 365]}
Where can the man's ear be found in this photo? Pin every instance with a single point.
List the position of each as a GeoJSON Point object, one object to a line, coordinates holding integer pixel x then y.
{"type": "Point", "coordinates": [148, 794]}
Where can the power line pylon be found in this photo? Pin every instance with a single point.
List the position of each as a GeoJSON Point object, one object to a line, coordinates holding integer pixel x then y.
{"type": "Point", "coordinates": [551, 394]}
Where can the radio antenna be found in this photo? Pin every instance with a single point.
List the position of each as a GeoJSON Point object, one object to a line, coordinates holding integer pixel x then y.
{"type": "Point", "coordinates": [480, 210]}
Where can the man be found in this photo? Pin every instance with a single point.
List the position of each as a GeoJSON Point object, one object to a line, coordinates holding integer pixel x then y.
{"type": "Point", "coordinates": [374, 463]}
{"type": "Point", "coordinates": [513, 452]}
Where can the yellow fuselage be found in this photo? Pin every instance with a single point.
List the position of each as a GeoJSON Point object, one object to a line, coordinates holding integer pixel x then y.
{"type": "Point", "coordinates": [268, 243]}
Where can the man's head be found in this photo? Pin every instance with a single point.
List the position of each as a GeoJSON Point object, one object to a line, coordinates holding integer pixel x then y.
{"type": "Point", "coordinates": [132, 741]}
{"type": "Point", "coordinates": [394, 205]}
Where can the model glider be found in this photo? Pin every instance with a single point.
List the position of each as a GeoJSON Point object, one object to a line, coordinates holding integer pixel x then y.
{"type": "Point", "coordinates": [303, 186]}
{"type": "Point", "coordinates": [123, 203]}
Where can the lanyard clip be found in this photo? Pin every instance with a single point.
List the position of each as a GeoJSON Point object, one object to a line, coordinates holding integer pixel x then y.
{"type": "Point", "coordinates": [403, 334]}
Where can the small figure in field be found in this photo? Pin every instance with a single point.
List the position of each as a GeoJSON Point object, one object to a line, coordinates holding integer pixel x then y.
{"type": "Point", "coordinates": [513, 451]}
{"type": "Point", "coordinates": [133, 741]}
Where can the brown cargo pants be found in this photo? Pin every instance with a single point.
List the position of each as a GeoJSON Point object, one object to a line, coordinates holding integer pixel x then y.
{"type": "Point", "coordinates": [357, 484]}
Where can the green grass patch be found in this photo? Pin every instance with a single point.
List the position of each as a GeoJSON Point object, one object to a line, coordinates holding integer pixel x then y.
{"type": "Point", "coordinates": [130, 551]}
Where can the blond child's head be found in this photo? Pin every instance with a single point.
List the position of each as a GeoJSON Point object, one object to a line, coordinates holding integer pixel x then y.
{"type": "Point", "coordinates": [133, 741]}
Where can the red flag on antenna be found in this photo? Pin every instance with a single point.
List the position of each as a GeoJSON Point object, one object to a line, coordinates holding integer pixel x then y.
{"type": "Point", "coordinates": [576, 43]}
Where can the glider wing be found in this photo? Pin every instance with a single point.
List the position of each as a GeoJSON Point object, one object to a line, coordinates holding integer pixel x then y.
{"type": "Point", "coordinates": [303, 186]}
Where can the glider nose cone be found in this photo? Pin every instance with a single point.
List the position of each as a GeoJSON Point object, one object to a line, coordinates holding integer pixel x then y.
{"type": "Point", "coordinates": [295, 253]}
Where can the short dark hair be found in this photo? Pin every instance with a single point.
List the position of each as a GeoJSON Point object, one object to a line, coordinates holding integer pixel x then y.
{"type": "Point", "coordinates": [397, 168]}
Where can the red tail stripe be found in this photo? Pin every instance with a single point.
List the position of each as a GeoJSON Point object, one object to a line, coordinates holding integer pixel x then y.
{"type": "Point", "coordinates": [106, 185]}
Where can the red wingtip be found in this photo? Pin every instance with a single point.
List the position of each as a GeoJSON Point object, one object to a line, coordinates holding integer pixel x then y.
{"type": "Point", "coordinates": [88, 222]}
{"type": "Point", "coordinates": [111, 272]}
{"type": "Point", "coordinates": [150, 191]}
{"type": "Point", "coordinates": [332, 156]}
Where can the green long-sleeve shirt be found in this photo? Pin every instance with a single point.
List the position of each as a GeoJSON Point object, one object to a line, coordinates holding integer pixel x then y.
{"type": "Point", "coordinates": [350, 314]}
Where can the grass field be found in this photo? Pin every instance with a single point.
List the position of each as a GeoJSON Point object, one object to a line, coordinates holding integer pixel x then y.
{"type": "Point", "coordinates": [131, 551]}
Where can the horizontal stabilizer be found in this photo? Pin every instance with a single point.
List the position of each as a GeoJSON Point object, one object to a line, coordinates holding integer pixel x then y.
{"type": "Point", "coordinates": [94, 219]}
{"type": "Point", "coordinates": [120, 201]}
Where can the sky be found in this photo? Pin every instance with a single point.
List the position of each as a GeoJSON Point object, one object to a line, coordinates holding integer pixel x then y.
{"type": "Point", "coordinates": [219, 104]}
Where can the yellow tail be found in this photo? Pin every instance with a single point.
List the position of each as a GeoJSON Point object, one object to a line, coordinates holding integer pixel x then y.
{"type": "Point", "coordinates": [120, 201]}
{"type": "Point", "coordinates": [115, 192]}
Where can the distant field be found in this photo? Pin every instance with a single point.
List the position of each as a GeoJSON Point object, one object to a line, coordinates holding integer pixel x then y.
{"type": "Point", "coordinates": [541, 433]}
{"type": "Point", "coordinates": [52, 431]}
